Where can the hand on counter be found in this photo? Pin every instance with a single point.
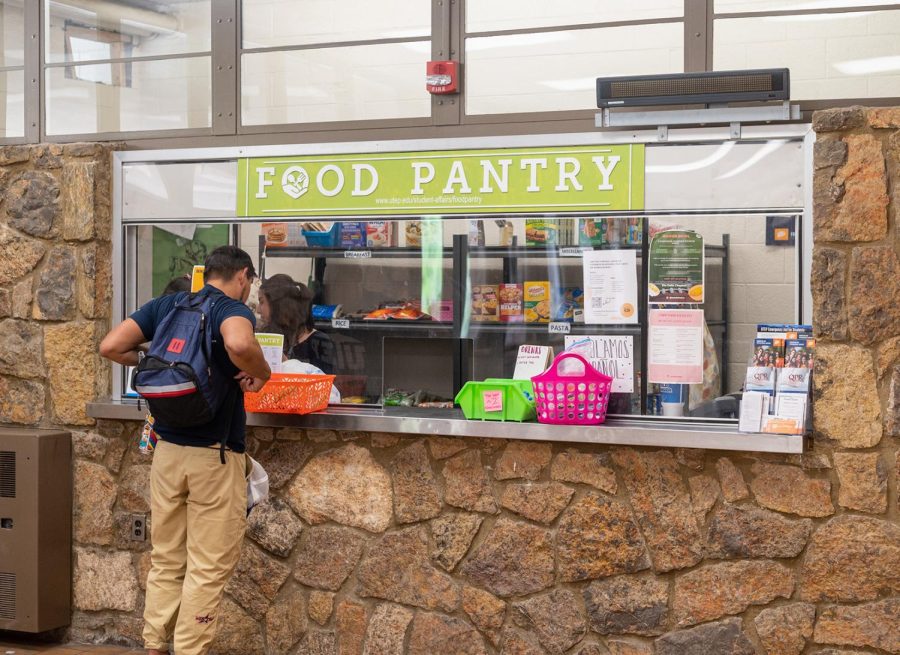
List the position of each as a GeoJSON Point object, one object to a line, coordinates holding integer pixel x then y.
{"type": "Point", "coordinates": [248, 382]}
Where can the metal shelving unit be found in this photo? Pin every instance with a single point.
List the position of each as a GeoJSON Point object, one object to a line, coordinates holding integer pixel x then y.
{"type": "Point", "coordinates": [460, 253]}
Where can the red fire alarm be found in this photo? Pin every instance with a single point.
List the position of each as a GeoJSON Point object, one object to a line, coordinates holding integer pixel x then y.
{"type": "Point", "coordinates": [441, 77]}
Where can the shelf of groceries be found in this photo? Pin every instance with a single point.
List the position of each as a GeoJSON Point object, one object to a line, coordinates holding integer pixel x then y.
{"type": "Point", "coordinates": [501, 284]}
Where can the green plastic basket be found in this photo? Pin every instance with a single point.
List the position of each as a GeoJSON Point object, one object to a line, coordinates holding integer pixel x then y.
{"type": "Point", "coordinates": [514, 399]}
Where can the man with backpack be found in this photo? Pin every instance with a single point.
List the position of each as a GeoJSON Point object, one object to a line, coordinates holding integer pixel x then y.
{"type": "Point", "coordinates": [203, 355]}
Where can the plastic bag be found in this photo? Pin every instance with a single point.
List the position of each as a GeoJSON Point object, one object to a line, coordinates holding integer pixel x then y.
{"type": "Point", "coordinates": [257, 483]}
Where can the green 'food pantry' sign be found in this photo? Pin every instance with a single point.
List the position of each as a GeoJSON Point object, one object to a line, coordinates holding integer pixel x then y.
{"type": "Point", "coordinates": [539, 180]}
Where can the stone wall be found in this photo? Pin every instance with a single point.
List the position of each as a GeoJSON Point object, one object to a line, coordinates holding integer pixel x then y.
{"type": "Point", "coordinates": [387, 544]}
{"type": "Point", "coordinates": [55, 282]}
{"type": "Point", "coordinates": [381, 544]}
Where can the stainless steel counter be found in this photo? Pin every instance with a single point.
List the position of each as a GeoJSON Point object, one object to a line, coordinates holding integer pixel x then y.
{"type": "Point", "coordinates": [623, 432]}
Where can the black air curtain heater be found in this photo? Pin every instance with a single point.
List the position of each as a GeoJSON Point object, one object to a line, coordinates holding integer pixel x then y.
{"type": "Point", "coordinates": [694, 88]}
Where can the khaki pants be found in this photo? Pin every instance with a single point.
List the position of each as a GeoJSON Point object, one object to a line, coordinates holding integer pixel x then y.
{"type": "Point", "coordinates": [198, 517]}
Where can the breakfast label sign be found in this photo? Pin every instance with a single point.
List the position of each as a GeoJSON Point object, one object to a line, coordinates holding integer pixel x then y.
{"type": "Point", "coordinates": [522, 180]}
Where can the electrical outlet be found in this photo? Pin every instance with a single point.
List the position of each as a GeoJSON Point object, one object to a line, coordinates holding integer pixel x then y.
{"type": "Point", "coordinates": [138, 527]}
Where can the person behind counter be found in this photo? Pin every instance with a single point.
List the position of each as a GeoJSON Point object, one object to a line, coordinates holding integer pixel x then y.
{"type": "Point", "coordinates": [177, 285]}
{"type": "Point", "coordinates": [288, 305]}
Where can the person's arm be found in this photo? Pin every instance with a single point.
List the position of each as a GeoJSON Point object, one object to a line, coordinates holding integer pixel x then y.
{"type": "Point", "coordinates": [244, 351]}
{"type": "Point", "coordinates": [123, 343]}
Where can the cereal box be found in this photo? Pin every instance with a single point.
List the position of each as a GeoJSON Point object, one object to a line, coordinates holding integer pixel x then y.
{"type": "Point", "coordinates": [485, 302]}
{"type": "Point", "coordinates": [591, 231]}
{"type": "Point", "coordinates": [511, 304]}
{"type": "Point", "coordinates": [490, 302]}
{"type": "Point", "coordinates": [380, 234]}
{"type": "Point", "coordinates": [353, 235]}
{"type": "Point", "coordinates": [413, 234]}
{"type": "Point", "coordinates": [537, 301]}
{"type": "Point", "coordinates": [282, 235]}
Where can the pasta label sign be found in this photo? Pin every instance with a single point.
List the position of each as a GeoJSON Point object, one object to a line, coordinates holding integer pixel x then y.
{"type": "Point", "coordinates": [526, 180]}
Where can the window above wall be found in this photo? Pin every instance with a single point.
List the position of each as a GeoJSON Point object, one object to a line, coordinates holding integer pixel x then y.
{"type": "Point", "coordinates": [831, 55]}
{"type": "Point", "coordinates": [126, 66]}
{"type": "Point", "coordinates": [181, 69]}
{"type": "Point", "coordinates": [321, 61]}
{"type": "Point", "coordinates": [12, 70]}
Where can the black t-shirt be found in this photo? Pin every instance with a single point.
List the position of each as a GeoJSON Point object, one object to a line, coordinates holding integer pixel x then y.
{"type": "Point", "coordinates": [231, 419]}
{"type": "Point", "coordinates": [317, 349]}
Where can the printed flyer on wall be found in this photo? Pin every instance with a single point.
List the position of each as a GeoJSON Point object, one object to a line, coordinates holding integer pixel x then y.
{"type": "Point", "coordinates": [676, 267]}
{"type": "Point", "coordinates": [675, 346]}
{"type": "Point", "coordinates": [610, 286]}
{"type": "Point", "coordinates": [612, 355]}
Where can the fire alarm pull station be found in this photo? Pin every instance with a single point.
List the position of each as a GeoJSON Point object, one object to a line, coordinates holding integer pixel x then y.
{"type": "Point", "coordinates": [441, 77]}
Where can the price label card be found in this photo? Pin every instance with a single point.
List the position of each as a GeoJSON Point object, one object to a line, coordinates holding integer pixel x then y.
{"type": "Point", "coordinates": [573, 252]}
{"type": "Point", "coordinates": [493, 401]}
{"type": "Point", "coordinates": [559, 327]}
{"type": "Point", "coordinates": [340, 323]}
{"type": "Point", "coordinates": [357, 254]}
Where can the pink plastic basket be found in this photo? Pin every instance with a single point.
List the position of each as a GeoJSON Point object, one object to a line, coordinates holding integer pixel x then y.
{"type": "Point", "coordinates": [571, 398]}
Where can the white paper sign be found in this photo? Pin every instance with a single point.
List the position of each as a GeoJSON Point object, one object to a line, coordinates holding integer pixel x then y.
{"type": "Point", "coordinates": [675, 346]}
{"type": "Point", "coordinates": [612, 355]}
{"type": "Point", "coordinates": [272, 346]}
{"type": "Point", "coordinates": [610, 286]}
{"type": "Point", "coordinates": [792, 405]}
{"type": "Point", "coordinates": [531, 361]}
{"type": "Point", "coordinates": [754, 405]}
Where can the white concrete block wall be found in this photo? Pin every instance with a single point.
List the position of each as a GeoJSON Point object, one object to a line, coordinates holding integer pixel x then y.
{"type": "Point", "coordinates": [516, 14]}
{"type": "Point", "coordinates": [354, 83]}
{"type": "Point", "coordinates": [850, 55]}
{"type": "Point", "coordinates": [269, 23]}
{"type": "Point", "coordinates": [554, 71]}
{"type": "Point", "coordinates": [167, 94]}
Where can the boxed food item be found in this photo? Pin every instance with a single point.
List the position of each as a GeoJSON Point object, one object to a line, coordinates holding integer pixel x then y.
{"type": "Point", "coordinates": [442, 310]}
{"type": "Point", "coordinates": [567, 301]}
{"type": "Point", "coordinates": [635, 234]}
{"type": "Point", "coordinates": [282, 235]}
{"type": "Point", "coordinates": [537, 301]}
{"type": "Point", "coordinates": [413, 234]}
{"type": "Point", "coordinates": [541, 232]}
{"type": "Point", "coordinates": [380, 234]}
{"type": "Point", "coordinates": [591, 231]}
{"type": "Point", "coordinates": [485, 302]}
{"type": "Point", "coordinates": [353, 235]}
{"type": "Point", "coordinates": [512, 308]}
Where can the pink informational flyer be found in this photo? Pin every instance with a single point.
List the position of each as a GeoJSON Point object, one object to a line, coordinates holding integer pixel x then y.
{"type": "Point", "coordinates": [675, 347]}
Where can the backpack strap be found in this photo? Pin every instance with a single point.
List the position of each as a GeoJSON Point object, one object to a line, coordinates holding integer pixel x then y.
{"type": "Point", "coordinates": [231, 402]}
{"type": "Point", "coordinates": [195, 300]}
{"type": "Point", "coordinates": [232, 393]}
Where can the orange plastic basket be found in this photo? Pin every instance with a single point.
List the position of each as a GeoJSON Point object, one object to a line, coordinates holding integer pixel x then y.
{"type": "Point", "coordinates": [291, 393]}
